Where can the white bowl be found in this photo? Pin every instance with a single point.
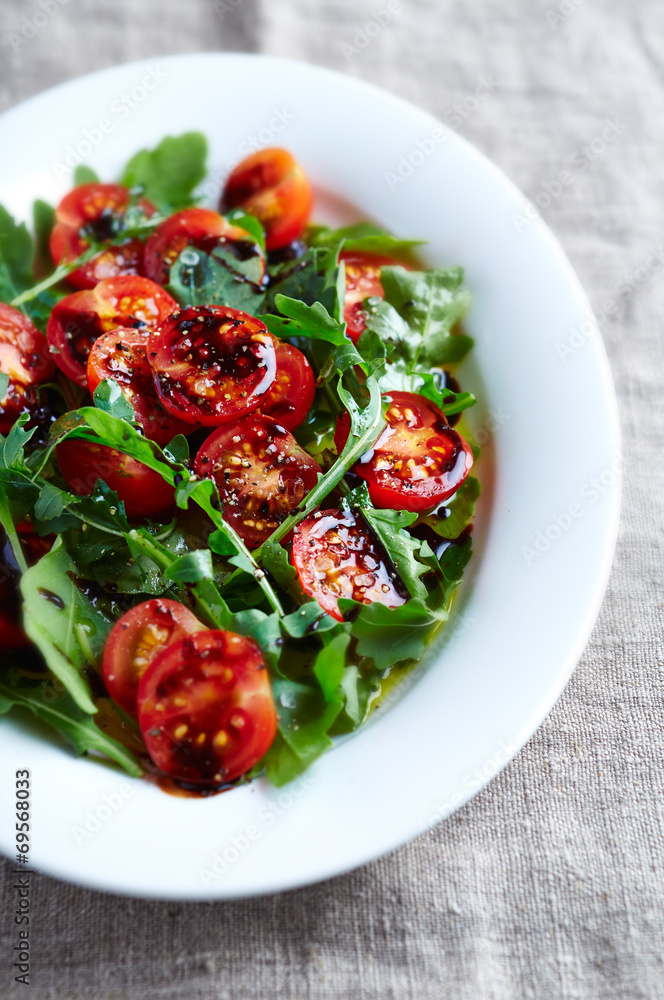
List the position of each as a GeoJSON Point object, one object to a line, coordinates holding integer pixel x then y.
{"type": "Point", "coordinates": [546, 524]}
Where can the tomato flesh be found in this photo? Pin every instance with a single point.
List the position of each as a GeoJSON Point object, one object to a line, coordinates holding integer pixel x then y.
{"type": "Point", "coordinates": [122, 355]}
{"type": "Point", "coordinates": [363, 271]}
{"type": "Point", "coordinates": [417, 462]}
{"type": "Point", "coordinates": [272, 186]}
{"type": "Point", "coordinates": [139, 488]}
{"type": "Point", "coordinates": [137, 639]}
{"type": "Point", "coordinates": [205, 708]}
{"type": "Point", "coordinates": [25, 359]}
{"type": "Point", "coordinates": [292, 393]}
{"type": "Point", "coordinates": [194, 227]}
{"type": "Point", "coordinates": [79, 319]}
{"type": "Point", "coordinates": [335, 556]}
{"type": "Point", "coordinates": [261, 472]}
{"type": "Point", "coordinates": [212, 364]}
{"type": "Point", "coordinates": [96, 210]}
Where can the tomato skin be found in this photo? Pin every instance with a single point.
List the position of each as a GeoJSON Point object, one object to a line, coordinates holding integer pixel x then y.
{"type": "Point", "coordinates": [261, 472]}
{"type": "Point", "coordinates": [335, 556]}
{"type": "Point", "coordinates": [80, 318]}
{"type": "Point", "coordinates": [25, 358]}
{"type": "Point", "coordinates": [99, 207]}
{"type": "Point", "coordinates": [205, 708]}
{"type": "Point", "coordinates": [197, 227]}
{"type": "Point", "coordinates": [272, 186]}
{"type": "Point", "coordinates": [142, 490]}
{"type": "Point", "coordinates": [212, 364]}
{"type": "Point", "coordinates": [291, 396]}
{"type": "Point", "coordinates": [363, 272]}
{"type": "Point", "coordinates": [122, 355]}
{"type": "Point", "coordinates": [137, 639]}
{"type": "Point", "coordinates": [417, 462]}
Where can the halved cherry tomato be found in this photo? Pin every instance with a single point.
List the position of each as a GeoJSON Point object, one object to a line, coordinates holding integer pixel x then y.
{"type": "Point", "coordinates": [25, 358]}
{"type": "Point", "coordinates": [79, 319]}
{"type": "Point", "coordinates": [205, 708]}
{"type": "Point", "coordinates": [142, 490]}
{"type": "Point", "coordinates": [335, 556]}
{"type": "Point", "coordinates": [417, 462]}
{"type": "Point", "coordinates": [122, 355]}
{"type": "Point", "coordinates": [212, 364]}
{"type": "Point", "coordinates": [97, 211]}
{"type": "Point", "coordinates": [261, 472]}
{"type": "Point", "coordinates": [292, 393]}
{"type": "Point", "coordinates": [136, 640]}
{"type": "Point", "coordinates": [196, 227]}
{"type": "Point", "coordinates": [271, 185]}
{"type": "Point", "coordinates": [362, 282]}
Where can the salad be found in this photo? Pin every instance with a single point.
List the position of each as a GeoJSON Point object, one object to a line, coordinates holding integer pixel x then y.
{"type": "Point", "coordinates": [235, 503]}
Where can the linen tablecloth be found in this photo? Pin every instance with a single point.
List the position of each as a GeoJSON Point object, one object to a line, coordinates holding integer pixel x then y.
{"type": "Point", "coordinates": [550, 883]}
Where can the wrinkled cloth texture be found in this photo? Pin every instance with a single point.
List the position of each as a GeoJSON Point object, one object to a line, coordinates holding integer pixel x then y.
{"type": "Point", "coordinates": [550, 883]}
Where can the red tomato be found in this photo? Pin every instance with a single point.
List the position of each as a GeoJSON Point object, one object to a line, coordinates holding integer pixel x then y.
{"type": "Point", "coordinates": [335, 557]}
{"type": "Point", "coordinates": [25, 358]}
{"type": "Point", "coordinates": [79, 319]}
{"type": "Point", "coordinates": [417, 462]}
{"type": "Point", "coordinates": [362, 282]}
{"type": "Point", "coordinates": [212, 364]}
{"type": "Point", "coordinates": [136, 640]}
{"type": "Point", "coordinates": [97, 211]}
{"type": "Point", "coordinates": [205, 708]}
{"type": "Point", "coordinates": [261, 472]}
{"type": "Point", "coordinates": [271, 185]}
{"type": "Point", "coordinates": [197, 227]}
{"type": "Point", "coordinates": [142, 490]}
{"type": "Point", "coordinates": [122, 355]}
{"type": "Point", "coordinates": [292, 393]}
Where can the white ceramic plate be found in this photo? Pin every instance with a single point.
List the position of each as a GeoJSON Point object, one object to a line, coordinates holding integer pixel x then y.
{"type": "Point", "coordinates": [546, 524]}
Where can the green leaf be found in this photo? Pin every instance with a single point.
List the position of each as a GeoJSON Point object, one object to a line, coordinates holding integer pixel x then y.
{"type": "Point", "coordinates": [191, 568]}
{"type": "Point", "coordinates": [43, 220]}
{"type": "Point", "coordinates": [51, 503]}
{"type": "Point", "coordinates": [84, 175]}
{"type": "Point", "coordinates": [249, 223]}
{"type": "Point", "coordinates": [389, 528]}
{"type": "Point", "coordinates": [177, 450]}
{"type": "Point", "coordinates": [227, 276]}
{"type": "Point", "coordinates": [390, 635]}
{"type": "Point", "coordinates": [169, 173]}
{"type": "Point", "coordinates": [304, 720]}
{"type": "Point", "coordinates": [16, 255]}
{"type": "Point", "coordinates": [63, 715]}
{"type": "Point", "coordinates": [4, 384]}
{"type": "Point", "coordinates": [460, 511]}
{"type": "Point", "coordinates": [445, 399]}
{"type": "Point", "coordinates": [330, 665]}
{"type": "Point", "coordinates": [68, 630]}
{"type": "Point", "coordinates": [315, 277]}
{"type": "Point", "coordinates": [364, 237]}
{"type": "Point", "coordinates": [109, 397]}
{"type": "Point", "coordinates": [13, 456]}
{"type": "Point", "coordinates": [310, 619]}
{"type": "Point", "coordinates": [454, 560]}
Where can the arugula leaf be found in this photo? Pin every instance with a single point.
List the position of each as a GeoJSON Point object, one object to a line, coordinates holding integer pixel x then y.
{"type": "Point", "coordinates": [315, 277]}
{"type": "Point", "coordinates": [77, 727]}
{"type": "Point", "coordinates": [304, 720]}
{"type": "Point", "coordinates": [191, 568]}
{"type": "Point", "coordinates": [330, 665]}
{"type": "Point", "coordinates": [310, 619]}
{"type": "Point", "coordinates": [389, 528]}
{"type": "Point", "coordinates": [68, 630]}
{"type": "Point", "coordinates": [445, 399]}
{"type": "Point", "coordinates": [109, 397]}
{"type": "Point", "coordinates": [84, 175]}
{"type": "Point", "coordinates": [16, 253]}
{"type": "Point", "coordinates": [169, 173]}
{"type": "Point", "coordinates": [43, 220]}
{"type": "Point", "coordinates": [227, 276]}
{"type": "Point", "coordinates": [390, 635]}
{"type": "Point", "coordinates": [460, 510]}
{"type": "Point", "coordinates": [249, 223]}
{"type": "Point", "coordinates": [364, 237]}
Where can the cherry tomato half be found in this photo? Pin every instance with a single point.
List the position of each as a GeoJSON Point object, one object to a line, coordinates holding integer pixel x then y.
{"type": "Point", "coordinates": [417, 462]}
{"type": "Point", "coordinates": [79, 319]}
{"type": "Point", "coordinates": [195, 227]}
{"type": "Point", "coordinates": [205, 708]}
{"type": "Point", "coordinates": [136, 640]}
{"type": "Point", "coordinates": [212, 364]}
{"type": "Point", "coordinates": [292, 393]}
{"type": "Point", "coordinates": [335, 556]}
{"type": "Point", "coordinates": [261, 472]}
{"type": "Point", "coordinates": [97, 211]}
{"type": "Point", "coordinates": [122, 355]}
{"type": "Point", "coordinates": [24, 357]}
{"type": "Point", "coordinates": [142, 490]}
{"type": "Point", "coordinates": [362, 282]}
{"type": "Point", "coordinates": [271, 185]}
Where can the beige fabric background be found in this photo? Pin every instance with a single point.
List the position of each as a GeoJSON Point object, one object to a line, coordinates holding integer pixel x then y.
{"type": "Point", "coordinates": [550, 883]}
